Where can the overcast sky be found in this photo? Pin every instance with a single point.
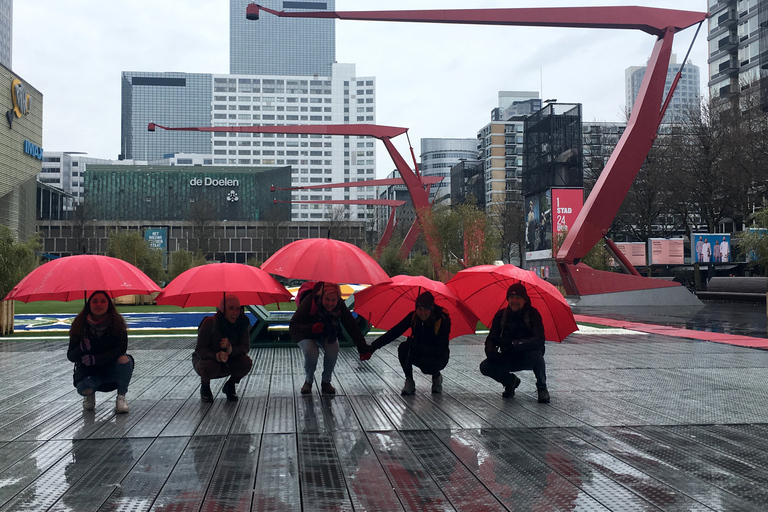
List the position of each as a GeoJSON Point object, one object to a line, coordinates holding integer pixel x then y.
{"type": "Point", "coordinates": [436, 80]}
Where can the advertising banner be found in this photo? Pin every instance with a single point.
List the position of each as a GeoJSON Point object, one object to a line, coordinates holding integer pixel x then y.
{"type": "Point", "coordinates": [634, 251]}
{"type": "Point", "coordinates": [666, 251]}
{"type": "Point", "coordinates": [566, 206]}
{"type": "Point", "coordinates": [158, 239]}
{"type": "Point", "coordinates": [711, 248]}
{"type": "Point", "coordinates": [538, 226]}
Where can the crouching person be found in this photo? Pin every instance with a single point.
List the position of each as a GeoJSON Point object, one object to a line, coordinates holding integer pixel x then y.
{"type": "Point", "coordinates": [223, 342]}
{"type": "Point", "coordinates": [98, 341]}
{"type": "Point", "coordinates": [427, 345]}
{"type": "Point", "coordinates": [516, 342]}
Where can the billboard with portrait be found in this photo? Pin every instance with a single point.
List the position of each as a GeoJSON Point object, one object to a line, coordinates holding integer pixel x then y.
{"type": "Point", "coordinates": [538, 226]}
{"type": "Point", "coordinates": [711, 248]}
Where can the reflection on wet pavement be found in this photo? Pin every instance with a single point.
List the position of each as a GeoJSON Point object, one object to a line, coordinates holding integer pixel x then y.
{"type": "Point", "coordinates": [636, 422]}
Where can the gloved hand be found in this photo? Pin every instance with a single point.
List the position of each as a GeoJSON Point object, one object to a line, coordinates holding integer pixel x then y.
{"type": "Point", "coordinates": [85, 345]}
{"type": "Point", "coordinates": [366, 356]}
{"type": "Point", "coordinates": [318, 328]}
{"type": "Point", "coordinates": [491, 351]}
{"type": "Point", "coordinates": [88, 360]}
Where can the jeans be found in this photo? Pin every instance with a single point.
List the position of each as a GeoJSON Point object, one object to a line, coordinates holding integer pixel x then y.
{"type": "Point", "coordinates": [500, 366]}
{"type": "Point", "coordinates": [115, 375]}
{"type": "Point", "coordinates": [311, 349]}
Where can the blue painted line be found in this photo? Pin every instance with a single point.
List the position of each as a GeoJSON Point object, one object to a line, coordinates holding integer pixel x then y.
{"type": "Point", "coordinates": [135, 321]}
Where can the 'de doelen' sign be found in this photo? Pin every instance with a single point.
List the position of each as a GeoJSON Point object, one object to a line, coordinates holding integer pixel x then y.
{"type": "Point", "coordinates": [207, 181]}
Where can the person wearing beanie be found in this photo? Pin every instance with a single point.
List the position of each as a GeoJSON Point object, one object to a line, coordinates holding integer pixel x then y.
{"type": "Point", "coordinates": [317, 324]}
{"type": "Point", "coordinates": [427, 344]}
{"type": "Point", "coordinates": [98, 341]}
{"type": "Point", "coordinates": [516, 342]}
{"type": "Point", "coordinates": [223, 343]}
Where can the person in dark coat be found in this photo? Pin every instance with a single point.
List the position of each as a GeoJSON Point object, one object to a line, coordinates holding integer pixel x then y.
{"type": "Point", "coordinates": [223, 342]}
{"type": "Point", "coordinates": [516, 342]}
{"type": "Point", "coordinates": [98, 342]}
{"type": "Point", "coordinates": [317, 324]}
{"type": "Point", "coordinates": [427, 345]}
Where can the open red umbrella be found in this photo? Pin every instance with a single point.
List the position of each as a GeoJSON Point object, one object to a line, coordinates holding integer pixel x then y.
{"type": "Point", "coordinates": [484, 289]}
{"type": "Point", "coordinates": [385, 304]}
{"type": "Point", "coordinates": [325, 259]}
{"type": "Point", "coordinates": [206, 285]}
{"type": "Point", "coordinates": [77, 277]}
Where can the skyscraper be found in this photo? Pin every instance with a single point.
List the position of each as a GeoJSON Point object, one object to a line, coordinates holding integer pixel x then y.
{"type": "Point", "coordinates": [6, 33]}
{"type": "Point", "coordinates": [738, 38]}
{"type": "Point", "coordinates": [281, 46]}
{"type": "Point", "coordinates": [687, 93]}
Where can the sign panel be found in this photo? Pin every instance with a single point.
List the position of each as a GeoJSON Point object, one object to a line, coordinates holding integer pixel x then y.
{"type": "Point", "coordinates": [538, 226]}
{"type": "Point", "coordinates": [158, 239]}
{"type": "Point", "coordinates": [634, 251]}
{"type": "Point", "coordinates": [666, 251]}
{"type": "Point", "coordinates": [566, 206]}
{"type": "Point", "coordinates": [711, 248]}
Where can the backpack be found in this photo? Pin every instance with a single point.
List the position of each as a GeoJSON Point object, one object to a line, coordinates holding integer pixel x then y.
{"type": "Point", "coordinates": [304, 290]}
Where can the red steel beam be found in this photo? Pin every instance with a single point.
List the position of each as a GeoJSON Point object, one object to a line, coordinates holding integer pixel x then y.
{"type": "Point", "coordinates": [621, 170]}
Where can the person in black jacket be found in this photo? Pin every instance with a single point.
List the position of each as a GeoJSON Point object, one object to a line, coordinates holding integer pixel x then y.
{"type": "Point", "coordinates": [427, 345]}
{"type": "Point", "coordinates": [317, 324]}
{"type": "Point", "coordinates": [98, 341]}
{"type": "Point", "coordinates": [516, 342]}
{"type": "Point", "coordinates": [223, 342]}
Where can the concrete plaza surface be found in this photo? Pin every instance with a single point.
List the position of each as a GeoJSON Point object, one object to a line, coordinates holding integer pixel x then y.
{"type": "Point", "coordinates": [637, 421]}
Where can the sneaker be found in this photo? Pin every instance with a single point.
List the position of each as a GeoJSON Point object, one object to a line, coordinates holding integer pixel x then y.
{"type": "Point", "coordinates": [121, 406]}
{"type": "Point", "coordinates": [229, 390]}
{"type": "Point", "coordinates": [89, 402]}
{"type": "Point", "coordinates": [306, 388]}
{"type": "Point", "coordinates": [543, 395]}
{"type": "Point", "coordinates": [437, 383]}
{"type": "Point", "coordinates": [509, 391]}
{"type": "Point", "coordinates": [327, 388]}
{"type": "Point", "coordinates": [205, 393]}
{"type": "Point", "coordinates": [409, 388]}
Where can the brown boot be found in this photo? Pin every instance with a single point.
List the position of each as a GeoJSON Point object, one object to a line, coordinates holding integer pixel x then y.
{"type": "Point", "coordinates": [327, 388]}
{"type": "Point", "coordinates": [306, 388]}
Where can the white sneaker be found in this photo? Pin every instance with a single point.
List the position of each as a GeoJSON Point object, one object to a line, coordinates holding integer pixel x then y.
{"type": "Point", "coordinates": [121, 406]}
{"type": "Point", "coordinates": [89, 402]}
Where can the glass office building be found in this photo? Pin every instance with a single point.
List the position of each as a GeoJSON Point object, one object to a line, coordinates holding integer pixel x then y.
{"type": "Point", "coordinates": [168, 99]}
{"type": "Point", "coordinates": [6, 33]}
{"type": "Point", "coordinates": [687, 93]}
{"type": "Point", "coordinates": [281, 46]}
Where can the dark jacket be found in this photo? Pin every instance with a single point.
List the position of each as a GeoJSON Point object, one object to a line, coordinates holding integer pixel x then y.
{"type": "Point", "coordinates": [213, 328]}
{"type": "Point", "coordinates": [423, 334]}
{"type": "Point", "coordinates": [520, 331]}
{"type": "Point", "coordinates": [106, 349]}
{"type": "Point", "coordinates": [311, 312]}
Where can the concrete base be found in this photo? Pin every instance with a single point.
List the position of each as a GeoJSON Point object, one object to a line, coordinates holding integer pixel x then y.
{"type": "Point", "coordinates": [675, 296]}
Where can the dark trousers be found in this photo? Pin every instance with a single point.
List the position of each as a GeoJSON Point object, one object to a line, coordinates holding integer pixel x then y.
{"type": "Point", "coordinates": [236, 368]}
{"type": "Point", "coordinates": [500, 366]}
{"type": "Point", "coordinates": [411, 355]}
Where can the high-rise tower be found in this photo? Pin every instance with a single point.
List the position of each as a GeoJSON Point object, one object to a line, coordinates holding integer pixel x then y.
{"type": "Point", "coordinates": [281, 46]}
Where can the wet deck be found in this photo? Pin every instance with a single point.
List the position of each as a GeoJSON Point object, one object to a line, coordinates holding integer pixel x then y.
{"type": "Point", "coordinates": [636, 422]}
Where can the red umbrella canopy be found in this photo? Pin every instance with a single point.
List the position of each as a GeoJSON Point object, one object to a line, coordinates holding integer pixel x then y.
{"type": "Point", "coordinates": [325, 259]}
{"type": "Point", "coordinates": [206, 285]}
{"type": "Point", "coordinates": [77, 277]}
{"type": "Point", "coordinates": [484, 289]}
{"type": "Point", "coordinates": [385, 304]}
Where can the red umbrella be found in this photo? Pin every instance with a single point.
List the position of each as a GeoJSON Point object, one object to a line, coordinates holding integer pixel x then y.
{"type": "Point", "coordinates": [206, 285]}
{"type": "Point", "coordinates": [325, 259]}
{"type": "Point", "coordinates": [77, 277]}
{"type": "Point", "coordinates": [484, 289]}
{"type": "Point", "coordinates": [385, 304]}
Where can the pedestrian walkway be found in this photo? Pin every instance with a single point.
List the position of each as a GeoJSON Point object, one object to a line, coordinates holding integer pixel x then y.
{"type": "Point", "coordinates": [638, 421]}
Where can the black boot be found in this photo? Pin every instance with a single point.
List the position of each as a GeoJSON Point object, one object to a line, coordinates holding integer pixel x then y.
{"type": "Point", "coordinates": [543, 395]}
{"type": "Point", "coordinates": [205, 393]}
{"type": "Point", "coordinates": [229, 390]}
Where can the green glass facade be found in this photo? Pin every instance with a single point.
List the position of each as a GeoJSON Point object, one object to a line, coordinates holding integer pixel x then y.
{"type": "Point", "coordinates": [154, 193]}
